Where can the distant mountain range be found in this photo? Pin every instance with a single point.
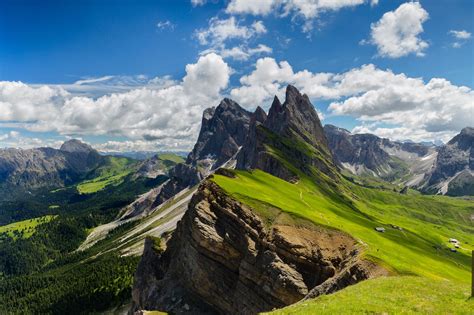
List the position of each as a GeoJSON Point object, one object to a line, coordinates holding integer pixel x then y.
{"type": "Point", "coordinates": [142, 155]}
{"type": "Point", "coordinates": [47, 168]}
{"type": "Point", "coordinates": [444, 169]}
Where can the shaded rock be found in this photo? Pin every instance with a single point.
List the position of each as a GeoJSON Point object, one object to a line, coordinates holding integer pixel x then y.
{"type": "Point", "coordinates": [223, 131]}
{"type": "Point", "coordinates": [180, 177]}
{"type": "Point", "coordinates": [454, 164]}
{"type": "Point", "coordinates": [292, 131]}
{"type": "Point", "coordinates": [75, 145]}
{"type": "Point", "coordinates": [367, 154]}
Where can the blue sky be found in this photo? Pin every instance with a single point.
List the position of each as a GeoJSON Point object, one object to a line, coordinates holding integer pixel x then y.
{"type": "Point", "coordinates": [61, 62]}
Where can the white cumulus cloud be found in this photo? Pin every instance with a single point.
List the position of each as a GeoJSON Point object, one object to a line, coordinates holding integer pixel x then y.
{"type": "Point", "coordinates": [220, 30]}
{"type": "Point", "coordinates": [460, 34]}
{"type": "Point", "coordinates": [304, 9]}
{"type": "Point", "coordinates": [397, 33]}
{"type": "Point", "coordinates": [169, 115]}
{"type": "Point", "coordinates": [430, 110]}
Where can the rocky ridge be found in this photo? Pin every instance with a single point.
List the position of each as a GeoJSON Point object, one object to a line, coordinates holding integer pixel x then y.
{"type": "Point", "coordinates": [223, 259]}
{"type": "Point", "coordinates": [367, 154]}
{"type": "Point", "coordinates": [453, 171]}
{"type": "Point", "coordinates": [291, 131]}
{"type": "Point", "coordinates": [446, 169]}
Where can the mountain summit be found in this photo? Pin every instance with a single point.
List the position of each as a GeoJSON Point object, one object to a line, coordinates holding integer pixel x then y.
{"type": "Point", "coordinates": [75, 146]}
{"type": "Point", "coordinates": [291, 132]}
{"type": "Point", "coordinates": [223, 131]}
{"type": "Point", "coordinates": [296, 116]}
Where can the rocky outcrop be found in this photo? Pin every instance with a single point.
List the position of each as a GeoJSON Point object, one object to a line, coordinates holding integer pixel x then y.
{"type": "Point", "coordinates": [180, 177]}
{"type": "Point", "coordinates": [154, 166]}
{"type": "Point", "coordinates": [292, 132]}
{"type": "Point", "coordinates": [296, 116]}
{"type": "Point", "coordinates": [223, 259]}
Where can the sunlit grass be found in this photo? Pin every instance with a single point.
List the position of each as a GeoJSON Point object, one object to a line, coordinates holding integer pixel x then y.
{"type": "Point", "coordinates": [24, 228]}
{"type": "Point", "coordinates": [392, 295]}
{"type": "Point", "coordinates": [113, 173]}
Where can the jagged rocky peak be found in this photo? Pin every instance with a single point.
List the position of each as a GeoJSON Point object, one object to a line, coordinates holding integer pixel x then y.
{"type": "Point", "coordinates": [465, 139]}
{"type": "Point", "coordinates": [259, 115]}
{"type": "Point", "coordinates": [328, 128]}
{"type": "Point", "coordinates": [76, 146]}
{"type": "Point", "coordinates": [298, 115]}
{"type": "Point", "coordinates": [294, 130]}
{"type": "Point", "coordinates": [223, 131]}
{"type": "Point", "coordinates": [453, 172]}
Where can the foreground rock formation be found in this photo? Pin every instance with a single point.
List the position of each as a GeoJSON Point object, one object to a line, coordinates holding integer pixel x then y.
{"type": "Point", "coordinates": [223, 259]}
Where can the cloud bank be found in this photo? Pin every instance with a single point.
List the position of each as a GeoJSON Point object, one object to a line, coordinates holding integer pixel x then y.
{"type": "Point", "coordinates": [169, 115]}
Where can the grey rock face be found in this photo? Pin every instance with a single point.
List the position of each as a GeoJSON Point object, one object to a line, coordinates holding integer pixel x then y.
{"type": "Point", "coordinates": [223, 131]}
{"type": "Point", "coordinates": [426, 167]}
{"type": "Point", "coordinates": [296, 115]}
{"type": "Point", "coordinates": [363, 149]}
{"type": "Point", "coordinates": [74, 146]}
{"type": "Point", "coordinates": [181, 177]}
{"type": "Point", "coordinates": [367, 154]}
{"type": "Point", "coordinates": [455, 159]}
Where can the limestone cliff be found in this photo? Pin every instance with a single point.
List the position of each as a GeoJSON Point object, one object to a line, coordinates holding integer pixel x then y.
{"type": "Point", "coordinates": [224, 259]}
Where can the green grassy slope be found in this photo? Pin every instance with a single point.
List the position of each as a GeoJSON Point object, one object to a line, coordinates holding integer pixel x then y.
{"type": "Point", "coordinates": [394, 295]}
{"type": "Point", "coordinates": [113, 172]}
{"type": "Point", "coordinates": [421, 248]}
{"type": "Point", "coordinates": [25, 228]}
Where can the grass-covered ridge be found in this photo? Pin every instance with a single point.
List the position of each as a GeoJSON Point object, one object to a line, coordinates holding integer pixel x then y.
{"type": "Point", "coordinates": [113, 172]}
{"type": "Point", "coordinates": [176, 159]}
{"type": "Point", "coordinates": [427, 221]}
{"type": "Point", "coordinates": [420, 248]}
